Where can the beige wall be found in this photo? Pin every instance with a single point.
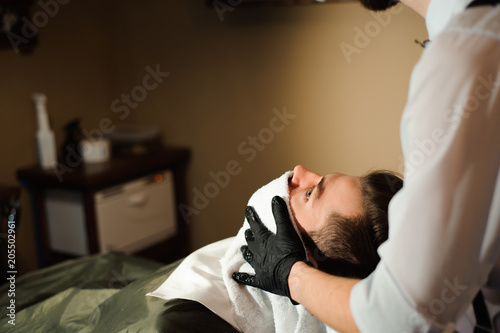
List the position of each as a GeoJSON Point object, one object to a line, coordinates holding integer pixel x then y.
{"type": "Point", "coordinates": [225, 79]}
{"type": "Point", "coordinates": [71, 65]}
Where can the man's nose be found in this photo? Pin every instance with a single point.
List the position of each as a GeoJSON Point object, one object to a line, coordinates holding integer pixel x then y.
{"type": "Point", "coordinates": [304, 177]}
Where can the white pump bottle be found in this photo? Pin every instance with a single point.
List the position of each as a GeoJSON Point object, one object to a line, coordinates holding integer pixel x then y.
{"type": "Point", "coordinates": [44, 136]}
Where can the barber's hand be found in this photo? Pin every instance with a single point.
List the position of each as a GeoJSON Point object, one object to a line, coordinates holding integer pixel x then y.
{"type": "Point", "coordinates": [271, 255]}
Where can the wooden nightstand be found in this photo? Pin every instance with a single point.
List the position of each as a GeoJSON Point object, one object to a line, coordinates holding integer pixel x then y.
{"type": "Point", "coordinates": [88, 180]}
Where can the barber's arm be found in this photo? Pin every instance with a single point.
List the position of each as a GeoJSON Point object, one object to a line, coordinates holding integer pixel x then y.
{"type": "Point", "coordinates": [325, 296]}
{"type": "Point", "coordinates": [279, 261]}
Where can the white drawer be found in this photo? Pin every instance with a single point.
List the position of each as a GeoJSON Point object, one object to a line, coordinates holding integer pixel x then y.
{"type": "Point", "coordinates": [137, 214]}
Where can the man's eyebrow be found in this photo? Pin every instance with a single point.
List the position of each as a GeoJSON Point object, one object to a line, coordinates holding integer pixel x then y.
{"type": "Point", "coordinates": [320, 188]}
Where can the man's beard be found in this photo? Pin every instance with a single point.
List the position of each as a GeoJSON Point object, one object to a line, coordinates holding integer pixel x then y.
{"type": "Point", "coordinates": [378, 5]}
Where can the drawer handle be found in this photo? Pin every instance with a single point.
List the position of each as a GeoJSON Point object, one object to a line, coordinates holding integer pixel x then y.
{"type": "Point", "coordinates": [137, 200]}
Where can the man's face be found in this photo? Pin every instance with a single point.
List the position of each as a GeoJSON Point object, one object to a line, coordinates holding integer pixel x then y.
{"type": "Point", "coordinates": [378, 4]}
{"type": "Point", "coordinates": [313, 197]}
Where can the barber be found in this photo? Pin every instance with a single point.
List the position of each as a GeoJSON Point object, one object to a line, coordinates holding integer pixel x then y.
{"type": "Point", "coordinates": [443, 251]}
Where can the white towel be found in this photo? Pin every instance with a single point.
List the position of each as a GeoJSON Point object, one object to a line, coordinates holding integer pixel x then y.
{"type": "Point", "coordinates": [246, 308]}
{"type": "Point", "coordinates": [199, 278]}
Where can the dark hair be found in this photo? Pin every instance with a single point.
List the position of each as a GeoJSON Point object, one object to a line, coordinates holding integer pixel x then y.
{"type": "Point", "coordinates": [347, 246]}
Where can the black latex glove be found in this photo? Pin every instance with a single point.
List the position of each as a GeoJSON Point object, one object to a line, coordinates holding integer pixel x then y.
{"type": "Point", "coordinates": [271, 255]}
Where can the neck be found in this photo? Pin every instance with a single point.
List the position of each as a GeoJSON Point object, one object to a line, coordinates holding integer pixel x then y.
{"type": "Point", "coordinates": [420, 6]}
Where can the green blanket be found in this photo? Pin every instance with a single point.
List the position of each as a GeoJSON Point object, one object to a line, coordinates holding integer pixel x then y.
{"type": "Point", "coordinates": [103, 293]}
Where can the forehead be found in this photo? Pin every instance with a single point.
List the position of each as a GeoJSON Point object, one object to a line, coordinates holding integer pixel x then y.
{"type": "Point", "coordinates": [342, 194]}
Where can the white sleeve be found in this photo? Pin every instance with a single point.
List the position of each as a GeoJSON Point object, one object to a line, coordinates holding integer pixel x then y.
{"type": "Point", "coordinates": [444, 225]}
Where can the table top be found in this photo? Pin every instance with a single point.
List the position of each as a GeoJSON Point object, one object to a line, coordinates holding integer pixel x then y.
{"type": "Point", "coordinates": [95, 176]}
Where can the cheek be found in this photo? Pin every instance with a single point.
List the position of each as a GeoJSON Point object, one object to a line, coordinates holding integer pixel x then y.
{"type": "Point", "coordinates": [310, 221]}
{"type": "Point", "coordinates": [307, 219]}
{"type": "Point", "coordinates": [296, 209]}
{"type": "Point", "coordinates": [301, 215]}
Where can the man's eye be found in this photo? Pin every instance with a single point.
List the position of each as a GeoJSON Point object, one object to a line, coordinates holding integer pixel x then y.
{"type": "Point", "coordinates": [308, 194]}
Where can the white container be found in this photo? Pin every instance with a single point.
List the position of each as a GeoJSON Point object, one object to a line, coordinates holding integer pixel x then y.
{"type": "Point", "coordinates": [95, 151]}
{"type": "Point", "coordinates": [45, 138]}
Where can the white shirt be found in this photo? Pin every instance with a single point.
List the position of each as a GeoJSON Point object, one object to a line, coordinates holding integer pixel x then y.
{"type": "Point", "coordinates": [444, 235]}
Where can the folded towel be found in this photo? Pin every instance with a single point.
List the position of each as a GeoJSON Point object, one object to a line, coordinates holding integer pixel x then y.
{"type": "Point", "coordinates": [246, 308]}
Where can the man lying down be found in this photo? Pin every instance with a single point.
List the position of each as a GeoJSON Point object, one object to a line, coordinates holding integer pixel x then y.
{"type": "Point", "coordinates": [341, 220]}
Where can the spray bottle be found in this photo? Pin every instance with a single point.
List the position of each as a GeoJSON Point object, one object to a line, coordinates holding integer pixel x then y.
{"type": "Point", "coordinates": [44, 136]}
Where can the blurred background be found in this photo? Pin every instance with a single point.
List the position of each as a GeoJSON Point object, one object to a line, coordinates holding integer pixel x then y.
{"type": "Point", "coordinates": [332, 77]}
